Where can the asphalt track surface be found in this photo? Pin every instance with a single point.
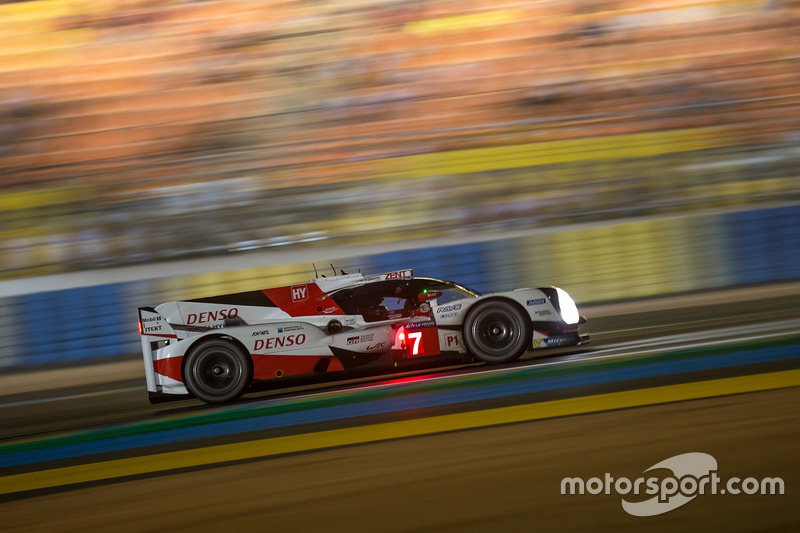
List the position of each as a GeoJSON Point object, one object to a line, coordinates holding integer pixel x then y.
{"type": "Point", "coordinates": [466, 448]}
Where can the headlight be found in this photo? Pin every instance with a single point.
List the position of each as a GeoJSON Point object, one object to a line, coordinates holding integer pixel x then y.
{"type": "Point", "coordinates": [569, 311]}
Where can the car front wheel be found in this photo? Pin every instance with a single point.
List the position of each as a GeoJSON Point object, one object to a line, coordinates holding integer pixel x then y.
{"type": "Point", "coordinates": [497, 331]}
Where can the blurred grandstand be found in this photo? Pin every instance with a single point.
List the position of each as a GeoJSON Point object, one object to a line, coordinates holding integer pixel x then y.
{"type": "Point", "coordinates": [143, 130]}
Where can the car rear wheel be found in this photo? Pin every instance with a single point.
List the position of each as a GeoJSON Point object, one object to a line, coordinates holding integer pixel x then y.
{"type": "Point", "coordinates": [497, 331]}
{"type": "Point", "coordinates": [217, 371]}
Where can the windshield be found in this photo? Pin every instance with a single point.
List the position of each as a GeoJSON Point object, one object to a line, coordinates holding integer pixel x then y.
{"type": "Point", "coordinates": [450, 291]}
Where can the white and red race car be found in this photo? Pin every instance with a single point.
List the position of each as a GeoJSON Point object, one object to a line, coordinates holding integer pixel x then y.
{"type": "Point", "coordinates": [216, 348]}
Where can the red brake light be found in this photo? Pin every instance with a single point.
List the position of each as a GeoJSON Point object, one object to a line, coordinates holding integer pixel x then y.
{"type": "Point", "coordinates": [400, 340]}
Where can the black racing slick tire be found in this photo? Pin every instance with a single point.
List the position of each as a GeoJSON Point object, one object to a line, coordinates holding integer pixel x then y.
{"type": "Point", "coordinates": [497, 331]}
{"type": "Point", "coordinates": [217, 371]}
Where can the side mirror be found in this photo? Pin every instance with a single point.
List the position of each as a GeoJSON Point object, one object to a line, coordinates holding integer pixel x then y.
{"type": "Point", "coordinates": [428, 296]}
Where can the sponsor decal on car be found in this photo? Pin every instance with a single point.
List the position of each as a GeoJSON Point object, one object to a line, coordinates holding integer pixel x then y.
{"type": "Point", "coordinates": [551, 342]}
{"type": "Point", "coordinates": [285, 341]}
{"type": "Point", "coordinates": [152, 324]}
{"type": "Point", "coordinates": [361, 338]}
{"type": "Point", "coordinates": [299, 293]}
{"type": "Point", "coordinates": [399, 274]}
{"type": "Point", "coordinates": [537, 301]}
{"type": "Point", "coordinates": [420, 325]}
{"type": "Point", "coordinates": [287, 329]}
{"type": "Point", "coordinates": [209, 327]}
{"type": "Point", "coordinates": [448, 308]}
{"type": "Point", "coordinates": [212, 316]}
{"type": "Point", "coordinates": [376, 346]}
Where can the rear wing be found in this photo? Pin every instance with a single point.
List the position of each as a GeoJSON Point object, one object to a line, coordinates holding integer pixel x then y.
{"type": "Point", "coordinates": [152, 328]}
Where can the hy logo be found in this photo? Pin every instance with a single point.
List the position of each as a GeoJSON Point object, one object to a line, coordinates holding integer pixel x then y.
{"type": "Point", "coordinates": [695, 464]}
{"type": "Point", "coordinates": [299, 293]}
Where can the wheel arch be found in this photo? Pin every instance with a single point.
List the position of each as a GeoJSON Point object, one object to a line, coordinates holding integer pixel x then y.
{"type": "Point", "coordinates": [495, 298]}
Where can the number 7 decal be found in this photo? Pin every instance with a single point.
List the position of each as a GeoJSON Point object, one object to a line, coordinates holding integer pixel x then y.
{"type": "Point", "coordinates": [417, 348]}
{"type": "Point", "coordinates": [423, 342]}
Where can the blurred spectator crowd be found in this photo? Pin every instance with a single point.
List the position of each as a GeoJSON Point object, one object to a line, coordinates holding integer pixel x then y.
{"type": "Point", "coordinates": [142, 130]}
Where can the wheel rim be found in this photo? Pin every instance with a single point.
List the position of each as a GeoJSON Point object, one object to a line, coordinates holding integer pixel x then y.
{"type": "Point", "coordinates": [495, 331]}
{"type": "Point", "coordinates": [217, 372]}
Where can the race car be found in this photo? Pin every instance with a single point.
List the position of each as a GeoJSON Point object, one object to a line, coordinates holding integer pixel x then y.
{"type": "Point", "coordinates": [216, 348]}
